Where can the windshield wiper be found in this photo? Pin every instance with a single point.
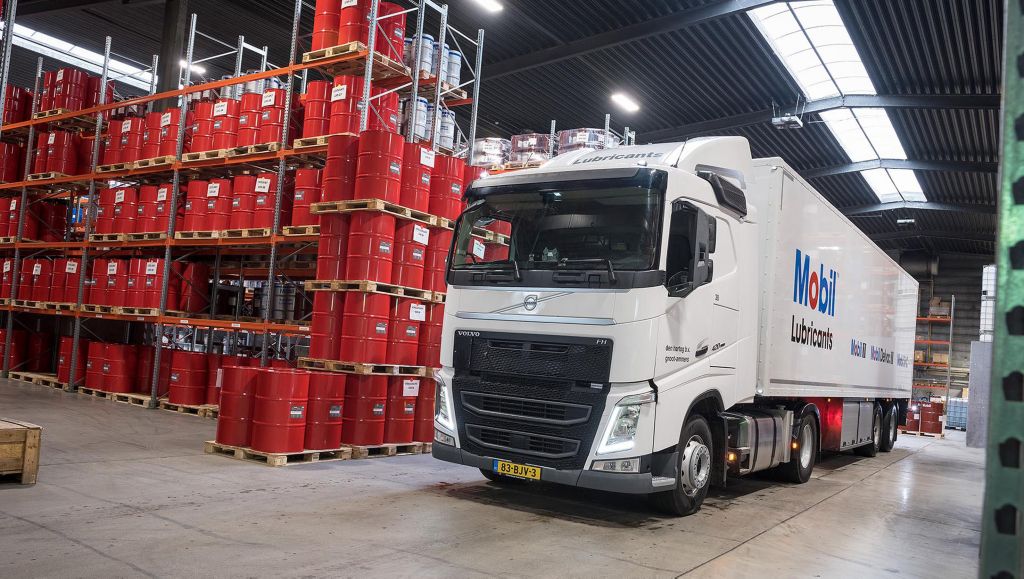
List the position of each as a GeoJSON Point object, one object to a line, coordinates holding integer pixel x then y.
{"type": "Point", "coordinates": [607, 262]}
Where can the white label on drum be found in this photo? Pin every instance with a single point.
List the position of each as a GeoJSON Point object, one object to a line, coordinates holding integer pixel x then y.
{"type": "Point", "coordinates": [112, 267]}
{"type": "Point", "coordinates": [213, 190]}
{"type": "Point", "coordinates": [418, 312]}
{"type": "Point", "coordinates": [427, 158]}
{"type": "Point", "coordinates": [349, 3]}
{"type": "Point", "coordinates": [50, 139]}
{"type": "Point", "coordinates": [165, 120]}
{"type": "Point", "coordinates": [478, 248]}
{"type": "Point", "coordinates": [119, 196]}
{"type": "Point", "coordinates": [71, 267]}
{"type": "Point", "coordinates": [410, 387]}
{"type": "Point", "coordinates": [37, 269]}
{"type": "Point", "coordinates": [161, 194]}
{"type": "Point", "coordinates": [263, 185]}
{"type": "Point", "coordinates": [151, 267]}
{"type": "Point", "coordinates": [269, 98]}
{"type": "Point", "coordinates": [381, 328]}
{"type": "Point", "coordinates": [385, 247]}
{"type": "Point", "coordinates": [220, 109]}
{"type": "Point", "coordinates": [339, 93]}
{"type": "Point", "coordinates": [420, 234]}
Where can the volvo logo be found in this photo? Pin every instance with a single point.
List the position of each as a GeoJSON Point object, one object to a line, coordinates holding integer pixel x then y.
{"type": "Point", "coordinates": [530, 303]}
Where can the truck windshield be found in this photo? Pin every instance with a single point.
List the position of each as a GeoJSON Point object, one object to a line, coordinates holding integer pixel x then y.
{"type": "Point", "coordinates": [610, 229]}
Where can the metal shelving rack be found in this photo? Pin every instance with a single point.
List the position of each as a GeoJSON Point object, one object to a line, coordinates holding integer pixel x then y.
{"type": "Point", "coordinates": [68, 187]}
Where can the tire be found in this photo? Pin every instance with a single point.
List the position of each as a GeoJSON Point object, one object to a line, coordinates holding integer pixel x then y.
{"type": "Point", "coordinates": [500, 478]}
{"type": "Point", "coordinates": [681, 502]}
{"type": "Point", "coordinates": [801, 464]}
{"type": "Point", "coordinates": [871, 450]}
{"type": "Point", "coordinates": [889, 429]}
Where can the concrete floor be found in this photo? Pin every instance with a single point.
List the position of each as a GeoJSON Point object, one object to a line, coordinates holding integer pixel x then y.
{"type": "Point", "coordinates": [127, 492]}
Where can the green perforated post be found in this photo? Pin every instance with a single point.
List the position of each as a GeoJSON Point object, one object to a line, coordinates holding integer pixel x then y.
{"type": "Point", "coordinates": [1002, 542]}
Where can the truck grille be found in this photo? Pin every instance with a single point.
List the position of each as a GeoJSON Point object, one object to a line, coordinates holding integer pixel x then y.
{"type": "Point", "coordinates": [529, 401]}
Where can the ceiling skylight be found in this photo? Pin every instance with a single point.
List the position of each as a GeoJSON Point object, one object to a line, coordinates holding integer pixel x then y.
{"type": "Point", "coordinates": [810, 39]}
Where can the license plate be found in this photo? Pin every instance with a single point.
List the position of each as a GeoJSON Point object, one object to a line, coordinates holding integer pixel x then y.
{"type": "Point", "coordinates": [517, 470]}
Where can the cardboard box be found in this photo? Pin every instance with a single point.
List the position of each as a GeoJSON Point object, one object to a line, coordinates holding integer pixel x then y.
{"type": "Point", "coordinates": [19, 449]}
{"type": "Point", "coordinates": [940, 358]}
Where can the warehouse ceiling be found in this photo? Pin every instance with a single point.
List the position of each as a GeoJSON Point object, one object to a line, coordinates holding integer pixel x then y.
{"type": "Point", "coordinates": [696, 67]}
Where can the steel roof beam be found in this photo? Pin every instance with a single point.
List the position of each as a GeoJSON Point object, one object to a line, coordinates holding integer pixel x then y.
{"type": "Point", "coordinates": [985, 102]}
{"type": "Point", "coordinates": [975, 208]}
{"type": "Point", "coordinates": [961, 166]}
{"type": "Point", "coordinates": [940, 234]}
{"type": "Point", "coordinates": [626, 34]}
{"type": "Point", "coordinates": [29, 7]}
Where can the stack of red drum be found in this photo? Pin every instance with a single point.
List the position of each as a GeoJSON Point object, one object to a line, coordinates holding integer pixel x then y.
{"type": "Point", "coordinates": [328, 314]}
{"type": "Point", "coordinates": [188, 378]}
{"type": "Point", "coordinates": [326, 21]}
{"type": "Point", "coordinates": [243, 202]}
{"type": "Point", "coordinates": [345, 95]}
{"type": "Point", "coordinates": [202, 127]}
{"type": "Point", "coordinates": [279, 413]}
{"type": "Point", "coordinates": [170, 121]}
{"type": "Point", "coordinates": [307, 192]}
{"type": "Point", "coordinates": [64, 373]}
{"type": "Point", "coordinates": [364, 410]}
{"type": "Point", "coordinates": [17, 356]}
{"type": "Point", "coordinates": [400, 416]}
{"type": "Point", "coordinates": [151, 137]}
{"type": "Point", "coordinates": [272, 116]}
{"type": "Point", "coordinates": [931, 416]}
{"type": "Point", "coordinates": [12, 162]}
{"type": "Point", "coordinates": [58, 152]}
{"type": "Point", "coordinates": [424, 428]}
{"type": "Point", "coordinates": [70, 89]}
{"type": "Point", "coordinates": [317, 102]}
{"type": "Point", "coordinates": [446, 187]}
{"type": "Point", "coordinates": [133, 137]}
{"type": "Point", "coordinates": [324, 410]}
{"type": "Point", "coordinates": [237, 400]}
{"type": "Point", "coordinates": [226, 114]}
{"type": "Point", "coordinates": [339, 176]}
{"type": "Point", "coordinates": [217, 212]}
{"type": "Point", "coordinates": [392, 23]}
{"type": "Point", "coordinates": [249, 119]}
{"type": "Point", "coordinates": [17, 105]}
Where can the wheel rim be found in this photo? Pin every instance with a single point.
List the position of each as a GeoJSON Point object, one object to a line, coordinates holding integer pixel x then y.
{"type": "Point", "coordinates": [806, 445]}
{"type": "Point", "coordinates": [876, 432]}
{"type": "Point", "coordinates": [892, 428]}
{"type": "Point", "coordinates": [695, 469]}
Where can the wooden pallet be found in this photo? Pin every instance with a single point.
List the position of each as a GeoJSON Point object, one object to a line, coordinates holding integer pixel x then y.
{"type": "Point", "coordinates": [106, 237]}
{"type": "Point", "coordinates": [354, 205]}
{"type": "Point", "coordinates": [95, 309]}
{"type": "Point", "coordinates": [50, 113]}
{"type": "Point", "coordinates": [386, 450]}
{"type": "Point", "coordinates": [205, 155]}
{"type": "Point", "coordinates": [383, 67]}
{"type": "Point", "coordinates": [27, 304]}
{"type": "Point", "coordinates": [155, 162]}
{"type": "Point", "coordinates": [197, 235]}
{"type": "Point", "coordinates": [114, 167]}
{"type": "Point", "coordinates": [199, 410]}
{"type": "Point", "coordinates": [49, 176]}
{"type": "Point", "coordinates": [920, 433]}
{"type": "Point", "coordinates": [150, 236]}
{"type": "Point", "coordinates": [277, 459]}
{"type": "Point", "coordinates": [61, 306]}
{"type": "Point", "coordinates": [254, 149]}
{"type": "Point", "coordinates": [300, 230]}
{"type": "Point", "coordinates": [316, 142]}
{"type": "Point", "coordinates": [39, 379]}
{"type": "Point", "coordinates": [121, 397]}
{"type": "Point", "coordinates": [137, 311]}
{"type": "Point", "coordinates": [246, 233]}
{"type": "Point", "coordinates": [361, 368]}
{"type": "Point", "coordinates": [366, 286]}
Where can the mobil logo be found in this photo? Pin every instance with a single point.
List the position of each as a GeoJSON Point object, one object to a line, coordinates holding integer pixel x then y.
{"type": "Point", "coordinates": [814, 287]}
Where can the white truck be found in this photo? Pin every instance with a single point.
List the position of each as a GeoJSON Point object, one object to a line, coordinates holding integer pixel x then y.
{"type": "Point", "coordinates": [662, 317]}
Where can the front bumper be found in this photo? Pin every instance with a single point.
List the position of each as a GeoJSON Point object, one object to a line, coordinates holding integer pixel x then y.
{"type": "Point", "coordinates": [627, 483]}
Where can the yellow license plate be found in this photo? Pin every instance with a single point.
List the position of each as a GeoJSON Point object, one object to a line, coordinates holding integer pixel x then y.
{"type": "Point", "coordinates": [516, 470]}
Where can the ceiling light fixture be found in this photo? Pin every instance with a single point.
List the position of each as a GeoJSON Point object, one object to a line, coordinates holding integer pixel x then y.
{"type": "Point", "coordinates": [195, 67]}
{"type": "Point", "coordinates": [490, 5]}
{"type": "Point", "coordinates": [625, 102]}
{"type": "Point", "coordinates": [906, 221]}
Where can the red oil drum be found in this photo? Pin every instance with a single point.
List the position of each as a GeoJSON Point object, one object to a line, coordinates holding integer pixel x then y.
{"type": "Point", "coordinates": [169, 123]}
{"type": "Point", "coordinates": [153, 283]}
{"type": "Point", "coordinates": [12, 160]}
{"type": "Point", "coordinates": [96, 282]}
{"type": "Point", "coordinates": [272, 116]}
{"type": "Point", "coordinates": [326, 327]}
{"type": "Point", "coordinates": [24, 280]}
{"type": "Point", "coordinates": [133, 131]}
{"type": "Point", "coordinates": [74, 276]}
{"type": "Point", "coordinates": [363, 413]}
{"type": "Point", "coordinates": [41, 281]}
{"type": "Point", "coordinates": [64, 360]}
{"type": "Point", "coordinates": [307, 192]}
{"type": "Point", "coordinates": [213, 365]}
{"type": "Point", "coordinates": [151, 137]}
{"type": "Point", "coordinates": [411, 242]}
{"type": "Point", "coordinates": [119, 368]}
{"type": "Point", "coordinates": [117, 282]}
{"type": "Point", "coordinates": [424, 429]}
{"type": "Point", "coordinates": [135, 297]}
{"type": "Point", "coordinates": [392, 21]}
{"type": "Point", "coordinates": [379, 170]}
{"type": "Point", "coordinates": [16, 357]}
{"type": "Point", "coordinates": [333, 246]}
{"type": "Point", "coordinates": [437, 260]}
{"type": "Point", "coordinates": [58, 280]}
{"type": "Point", "coordinates": [931, 417]}
{"type": "Point", "coordinates": [202, 127]}
{"type": "Point", "coordinates": [146, 210]}
{"type": "Point", "coordinates": [446, 187]}
{"type": "Point", "coordinates": [39, 352]}
{"type": "Point", "coordinates": [95, 358]}
{"type": "Point", "coordinates": [266, 195]}
{"type": "Point", "coordinates": [5, 220]}
{"type": "Point", "coordinates": [188, 378]}
{"type": "Point", "coordinates": [104, 223]}
{"type": "Point", "coordinates": [324, 410]}
{"type": "Point", "coordinates": [279, 415]}
{"type": "Point", "coordinates": [472, 173]}
{"type": "Point", "coordinates": [126, 210]}
{"type": "Point", "coordinates": [404, 332]}
{"type": "Point", "coordinates": [243, 202]}
{"type": "Point", "coordinates": [144, 369]}
{"type": "Point", "coordinates": [401, 409]}
{"type": "Point", "coordinates": [195, 288]}
{"type": "Point", "coordinates": [163, 207]}
{"type": "Point", "coordinates": [195, 206]}
{"type": "Point", "coordinates": [53, 222]}
{"type": "Point", "coordinates": [249, 119]}
{"type": "Point", "coordinates": [339, 176]}
{"type": "Point", "coordinates": [429, 352]}
{"type": "Point", "coordinates": [370, 247]}
{"type": "Point", "coordinates": [417, 166]}
{"type": "Point", "coordinates": [112, 145]}
{"type": "Point", "coordinates": [226, 113]}
{"type": "Point", "coordinates": [346, 92]}
{"type": "Point", "coordinates": [49, 86]}
{"type": "Point", "coordinates": [914, 416]}
{"type": "Point", "coordinates": [6, 277]}
{"type": "Point", "coordinates": [384, 111]}
{"type": "Point", "coordinates": [62, 154]}
{"type": "Point", "coordinates": [70, 89]}
{"type": "Point", "coordinates": [364, 336]}
{"type": "Point", "coordinates": [326, 20]}
{"type": "Point", "coordinates": [237, 399]}
{"type": "Point", "coordinates": [218, 205]}
{"type": "Point", "coordinates": [42, 152]}
{"type": "Point", "coordinates": [316, 120]}
{"type": "Point", "coordinates": [354, 23]}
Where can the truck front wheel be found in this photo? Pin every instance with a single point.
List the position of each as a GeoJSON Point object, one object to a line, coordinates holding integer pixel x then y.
{"type": "Point", "coordinates": [804, 454]}
{"type": "Point", "coordinates": [889, 428]}
{"type": "Point", "coordinates": [693, 470]}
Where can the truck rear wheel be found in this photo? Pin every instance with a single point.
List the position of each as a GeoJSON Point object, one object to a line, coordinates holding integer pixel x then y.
{"type": "Point", "coordinates": [803, 457]}
{"type": "Point", "coordinates": [693, 470]}
{"type": "Point", "coordinates": [871, 449]}
{"type": "Point", "coordinates": [889, 429]}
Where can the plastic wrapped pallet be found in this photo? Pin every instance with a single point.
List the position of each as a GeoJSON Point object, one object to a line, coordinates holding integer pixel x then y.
{"type": "Point", "coordinates": [491, 151]}
{"type": "Point", "coordinates": [577, 139]}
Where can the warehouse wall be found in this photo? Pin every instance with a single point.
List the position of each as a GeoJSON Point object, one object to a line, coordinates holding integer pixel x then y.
{"type": "Point", "coordinates": [960, 275]}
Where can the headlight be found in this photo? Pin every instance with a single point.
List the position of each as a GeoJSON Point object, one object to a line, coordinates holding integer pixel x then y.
{"type": "Point", "coordinates": [442, 408]}
{"type": "Point", "coordinates": [621, 432]}
{"type": "Point", "coordinates": [620, 465]}
{"type": "Point", "coordinates": [443, 438]}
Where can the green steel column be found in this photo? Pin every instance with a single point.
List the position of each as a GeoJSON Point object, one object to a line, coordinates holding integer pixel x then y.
{"type": "Point", "coordinates": [1002, 541]}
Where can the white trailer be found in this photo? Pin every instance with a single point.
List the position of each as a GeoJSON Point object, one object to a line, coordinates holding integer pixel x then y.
{"type": "Point", "coordinates": [662, 317]}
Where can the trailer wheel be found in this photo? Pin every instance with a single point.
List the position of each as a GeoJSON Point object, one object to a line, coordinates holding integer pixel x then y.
{"type": "Point", "coordinates": [889, 429]}
{"type": "Point", "coordinates": [804, 456]}
{"type": "Point", "coordinates": [871, 449]}
{"type": "Point", "coordinates": [693, 470]}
